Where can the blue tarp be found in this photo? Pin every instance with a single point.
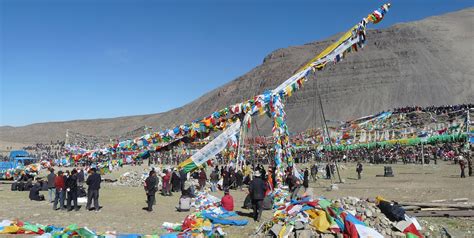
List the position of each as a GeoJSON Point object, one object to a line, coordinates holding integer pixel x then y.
{"type": "Point", "coordinates": [219, 220]}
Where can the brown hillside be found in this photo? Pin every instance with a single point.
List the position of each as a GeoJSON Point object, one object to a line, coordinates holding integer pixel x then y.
{"type": "Point", "coordinates": [427, 62]}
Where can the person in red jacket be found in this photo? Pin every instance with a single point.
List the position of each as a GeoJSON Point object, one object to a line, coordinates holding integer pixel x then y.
{"type": "Point", "coordinates": [166, 187]}
{"type": "Point", "coordinates": [227, 202]}
{"type": "Point", "coordinates": [60, 186]}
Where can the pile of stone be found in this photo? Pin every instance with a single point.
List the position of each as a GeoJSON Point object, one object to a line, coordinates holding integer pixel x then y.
{"type": "Point", "coordinates": [371, 215]}
{"type": "Point", "coordinates": [303, 219]}
{"type": "Point", "coordinates": [132, 179]}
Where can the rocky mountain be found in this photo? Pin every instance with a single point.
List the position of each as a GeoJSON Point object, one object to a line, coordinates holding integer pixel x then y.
{"type": "Point", "coordinates": [427, 62]}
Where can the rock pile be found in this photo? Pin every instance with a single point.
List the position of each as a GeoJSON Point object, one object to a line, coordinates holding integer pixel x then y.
{"type": "Point", "coordinates": [132, 179]}
{"type": "Point", "coordinates": [370, 214]}
{"type": "Point", "coordinates": [320, 217]}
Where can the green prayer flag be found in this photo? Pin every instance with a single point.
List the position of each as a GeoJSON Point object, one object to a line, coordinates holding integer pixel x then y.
{"type": "Point", "coordinates": [71, 227]}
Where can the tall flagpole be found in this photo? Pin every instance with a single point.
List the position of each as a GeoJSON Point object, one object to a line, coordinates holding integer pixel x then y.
{"type": "Point", "coordinates": [327, 131]}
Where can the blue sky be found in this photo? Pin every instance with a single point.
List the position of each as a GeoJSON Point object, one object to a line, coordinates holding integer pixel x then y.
{"type": "Point", "coordinates": [69, 59]}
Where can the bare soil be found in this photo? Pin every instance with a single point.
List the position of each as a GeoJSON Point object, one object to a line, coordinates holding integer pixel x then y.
{"type": "Point", "coordinates": [122, 206]}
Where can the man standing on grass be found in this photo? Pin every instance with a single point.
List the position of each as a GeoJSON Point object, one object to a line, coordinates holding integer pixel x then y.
{"type": "Point", "coordinates": [462, 164]}
{"type": "Point", "coordinates": [60, 191]}
{"type": "Point", "coordinates": [151, 187]}
{"type": "Point", "coordinates": [51, 188]}
{"type": "Point", "coordinates": [93, 180]}
{"type": "Point", "coordinates": [257, 194]}
{"type": "Point", "coordinates": [71, 188]}
{"type": "Point", "coordinates": [359, 170]}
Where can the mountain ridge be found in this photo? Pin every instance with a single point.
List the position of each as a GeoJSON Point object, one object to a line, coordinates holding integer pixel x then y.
{"type": "Point", "coordinates": [400, 65]}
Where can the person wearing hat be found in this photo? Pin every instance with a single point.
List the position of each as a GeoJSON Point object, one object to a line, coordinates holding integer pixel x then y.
{"type": "Point", "coordinates": [227, 202]}
{"type": "Point", "coordinates": [257, 190]}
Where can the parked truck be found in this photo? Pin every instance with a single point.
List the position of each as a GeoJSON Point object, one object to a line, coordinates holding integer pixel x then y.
{"type": "Point", "coordinates": [17, 160]}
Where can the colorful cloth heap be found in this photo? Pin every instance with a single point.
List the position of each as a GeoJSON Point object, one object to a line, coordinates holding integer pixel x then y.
{"type": "Point", "coordinates": [208, 219]}
{"type": "Point", "coordinates": [9, 174]}
{"type": "Point", "coordinates": [19, 227]}
{"type": "Point", "coordinates": [325, 216]}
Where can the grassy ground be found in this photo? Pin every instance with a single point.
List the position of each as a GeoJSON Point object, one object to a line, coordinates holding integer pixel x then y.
{"type": "Point", "coordinates": [122, 205]}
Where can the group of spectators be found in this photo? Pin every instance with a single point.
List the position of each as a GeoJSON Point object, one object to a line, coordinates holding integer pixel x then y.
{"type": "Point", "coordinates": [53, 151]}
{"type": "Point", "coordinates": [259, 180]}
{"type": "Point", "coordinates": [416, 154]}
{"type": "Point", "coordinates": [68, 186]}
{"type": "Point", "coordinates": [438, 110]}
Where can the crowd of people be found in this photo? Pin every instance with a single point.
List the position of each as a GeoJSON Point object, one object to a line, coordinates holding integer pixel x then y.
{"type": "Point", "coordinates": [438, 110]}
{"type": "Point", "coordinates": [53, 151]}
{"type": "Point", "coordinates": [257, 174]}
{"type": "Point", "coordinates": [415, 154]}
{"type": "Point", "coordinates": [64, 188]}
{"type": "Point", "coordinates": [259, 179]}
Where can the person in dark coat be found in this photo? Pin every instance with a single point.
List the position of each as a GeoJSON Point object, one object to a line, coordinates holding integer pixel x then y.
{"type": "Point", "coordinates": [328, 171]}
{"type": "Point", "coordinates": [257, 190]}
{"type": "Point", "coordinates": [274, 180]}
{"type": "Point", "coordinates": [263, 172]}
{"type": "Point", "coordinates": [182, 178]}
{"type": "Point", "coordinates": [359, 170]}
{"type": "Point", "coordinates": [151, 184]}
{"type": "Point", "coordinates": [214, 179]}
{"type": "Point", "coordinates": [71, 188]}
{"type": "Point", "coordinates": [231, 178]}
{"type": "Point", "coordinates": [314, 172]}
{"type": "Point", "coordinates": [175, 181]}
{"type": "Point", "coordinates": [469, 167]}
{"type": "Point", "coordinates": [80, 177]}
{"type": "Point", "coordinates": [462, 165]}
{"type": "Point", "coordinates": [239, 179]}
{"type": "Point", "coordinates": [51, 188]}
{"type": "Point", "coordinates": [225, 180]}
{"type": "Point", "coordinates": [306, 179]}
{"type": "Point", "coordinates": [34, 192]}
{"type": "Point", "coordinates": [202, 179]}
{"type": "Point", "coordinates": [295, 188]}
{"type": "Point", "coordinates": [93, 181]}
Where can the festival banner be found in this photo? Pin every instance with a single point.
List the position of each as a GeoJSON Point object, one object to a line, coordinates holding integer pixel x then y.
{"type": "Point", "coordinates": [211, 149]}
